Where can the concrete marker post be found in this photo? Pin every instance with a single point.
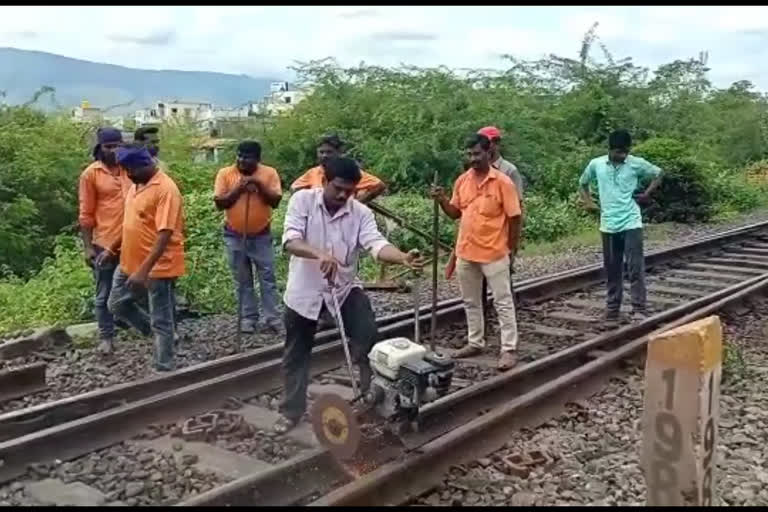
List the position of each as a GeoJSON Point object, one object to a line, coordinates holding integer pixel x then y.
{"type": "Point", "coordinates": [681, 412]}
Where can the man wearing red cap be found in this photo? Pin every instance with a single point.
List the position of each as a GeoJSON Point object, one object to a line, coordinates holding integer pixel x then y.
{"type": "Point", "coordinates": [505, 166]}
{"type": "Point", "coordinates": [508, 168]}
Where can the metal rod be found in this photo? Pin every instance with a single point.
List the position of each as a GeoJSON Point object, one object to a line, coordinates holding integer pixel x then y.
{"type": "Point", "coordinates": [416, 322]}
{"type": "Point", "coordinates": [402, 223]}
{"type": "Point", "coordinates": [435, 248]}
{"type": "Point", "coordinates": [243, 273]}
{"type": "Point", "coordinates": [344, 341]}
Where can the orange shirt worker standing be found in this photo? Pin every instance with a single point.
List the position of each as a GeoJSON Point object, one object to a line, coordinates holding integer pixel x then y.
{"type": "Point", "coordinates": [101, 194]}
{"type": "Point", "coordinates": [330, 146]}
{"type": "Point", "coordinates": [252, 188]}
{"type": "Point", "coordinates": [152, 254]}
{"type": "Point", "coordinates": [487, 203]}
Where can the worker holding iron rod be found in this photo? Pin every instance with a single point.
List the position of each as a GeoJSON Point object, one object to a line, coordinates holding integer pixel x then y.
{"type": "Point", "coordinates": [325, 230]}
{"type": "Point", "coordinates": [487, 203]}
{"type": "Point", "coordinates": [510, 169]}
{"type": "Point", "coordinates": [247, 192]}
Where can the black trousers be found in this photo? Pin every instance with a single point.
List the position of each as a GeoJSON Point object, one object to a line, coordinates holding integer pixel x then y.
{"type": "Point", "coordinates": [616, 246]}
{"type": "Point", "coordinates": [360, 325]}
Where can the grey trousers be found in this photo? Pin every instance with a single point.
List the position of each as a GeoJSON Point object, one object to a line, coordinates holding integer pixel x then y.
{"type": "Point", "coordinates": [103, 277]}
{"type": "Point", "coordinates": [258, 253]}
{"type": "Point", "coordinates": [123, 303]}
{"type": "Point", "coordinates": [615, 247]}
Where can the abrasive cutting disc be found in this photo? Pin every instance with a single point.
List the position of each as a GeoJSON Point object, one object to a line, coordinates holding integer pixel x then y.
{"type": "Point", "coordinates": [335, 425]}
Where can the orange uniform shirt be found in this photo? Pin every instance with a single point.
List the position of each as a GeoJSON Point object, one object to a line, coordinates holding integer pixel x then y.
{"type": "Point", "coordinates": [101, 195]}
{"type": "Point", "coordinates": [315, 178]}
{"type": "Point", "coordinates": [153, 207]}
{"type": "Point", "coordinates": [259, 212]}
{"type": "Point", "coordinates": [486, 207]}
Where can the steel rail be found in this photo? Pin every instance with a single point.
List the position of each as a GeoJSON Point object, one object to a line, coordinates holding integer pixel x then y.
{"type": "Point", "coordinates": [452, 413]}
{"type": "Point", "coordinates": [396, 483]}
{"type": "Point", "coordinates": [72, 437]}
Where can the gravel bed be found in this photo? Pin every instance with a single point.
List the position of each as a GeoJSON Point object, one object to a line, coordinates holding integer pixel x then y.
{"type": "Point", "coordinates": [126, 474]}
{"type": "Point", "coordinates": [595, 445]}
{"type": "Point", "coordinates": [78, 370]}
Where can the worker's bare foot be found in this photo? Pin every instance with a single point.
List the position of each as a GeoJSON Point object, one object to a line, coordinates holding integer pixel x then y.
{"type": "Point", "coordinates": [507, 361]}
{"type": "Point", "coordinates": [468, 351]}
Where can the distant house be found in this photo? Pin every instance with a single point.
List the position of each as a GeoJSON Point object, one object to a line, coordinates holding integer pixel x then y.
{"type": "Point", "coordinates": [208, 148]}
{"type": "Point", "coordinates": [282, 97]}
{"type": "Point", "coordinates": [85, 113]}
{"type": "Point", "coordinates": [176, 111]}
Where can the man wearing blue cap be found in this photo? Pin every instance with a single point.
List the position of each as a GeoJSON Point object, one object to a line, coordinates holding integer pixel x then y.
{"type": "Point", "coordinates": [152, 254]}
{"type": "Point", "coordinates": [101, 195]}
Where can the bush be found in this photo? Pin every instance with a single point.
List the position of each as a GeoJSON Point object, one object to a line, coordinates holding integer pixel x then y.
{"type": "Point", "coordinates": [684, 195]}
{"type": "Point", "coordinates": [62, 292]}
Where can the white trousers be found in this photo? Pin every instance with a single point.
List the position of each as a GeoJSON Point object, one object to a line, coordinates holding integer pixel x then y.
{"type": "Point", "coordinates": [471, 284]}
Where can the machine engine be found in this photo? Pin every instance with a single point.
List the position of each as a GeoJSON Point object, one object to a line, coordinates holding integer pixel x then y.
{"type": "Point", "coordinates": [405, 377]}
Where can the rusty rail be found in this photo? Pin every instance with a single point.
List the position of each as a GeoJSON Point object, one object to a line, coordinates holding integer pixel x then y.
{"type": "Point", "coordinates": [397, 483]}
{"type": "Point", "coordinates": [46, 432]}
{"type": "Point", "coordinates": [19, 382]}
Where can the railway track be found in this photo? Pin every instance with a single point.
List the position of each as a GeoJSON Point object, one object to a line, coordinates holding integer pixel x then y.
{"type": "Point", "coordinates": [559, 311]}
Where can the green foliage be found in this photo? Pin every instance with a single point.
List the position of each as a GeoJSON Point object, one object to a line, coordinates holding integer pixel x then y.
{"type": "Point", "coordinates": [40, 160]}
{"type": "Point", "coordinates": [403, 124]}
{"type": "Point", "coordinates": [684, 195]}
{"type": "Point", "coordinates": [61, 292]}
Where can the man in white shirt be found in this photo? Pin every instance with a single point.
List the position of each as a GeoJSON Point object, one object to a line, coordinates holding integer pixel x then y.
{"type": "Point", "coordinates": [325, 229]}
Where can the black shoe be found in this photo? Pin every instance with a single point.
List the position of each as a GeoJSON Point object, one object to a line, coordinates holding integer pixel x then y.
{"type": "Point", "coordinates": [611, 318]}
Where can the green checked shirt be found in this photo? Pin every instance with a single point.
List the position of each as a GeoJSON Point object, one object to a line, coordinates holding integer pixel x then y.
{"type": "Point", "coordinates": [616, 186]}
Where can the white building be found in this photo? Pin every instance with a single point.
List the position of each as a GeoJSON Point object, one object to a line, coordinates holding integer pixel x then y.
{"type": "Point", "coordinates": [85, 113]}
{"type": "Point", "coordinates": [176, 111]}
{"type": "Point", "coordinates": [282, 97]}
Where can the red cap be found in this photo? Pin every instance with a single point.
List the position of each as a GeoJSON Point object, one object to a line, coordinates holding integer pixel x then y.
{"type": "Point", "coordinates": [491, 132]}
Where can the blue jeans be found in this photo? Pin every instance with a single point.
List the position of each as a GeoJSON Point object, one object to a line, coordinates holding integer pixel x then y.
{"type": "Point", "coordinates": [258, 252]}
{"type": "Point", "coordinates": [103, 278]}
{"type": "Point", "coordinates": [123, 303]}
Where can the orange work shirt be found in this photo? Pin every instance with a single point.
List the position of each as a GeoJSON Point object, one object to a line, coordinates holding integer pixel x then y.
{"type": "Point", "coordinates": [101, 195]}
{"type": "Point", "coordinates": [149, 209]}
{"type": "Point", "coordinates": [259, 212]}
{"type": "Point", "coordinates": [486, 207]}
{"type": "Point", "coordinates": [315, 178]}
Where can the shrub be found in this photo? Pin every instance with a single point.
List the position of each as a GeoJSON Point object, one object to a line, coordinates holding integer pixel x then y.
{"type": "Point", "coordinates": [684, 195]}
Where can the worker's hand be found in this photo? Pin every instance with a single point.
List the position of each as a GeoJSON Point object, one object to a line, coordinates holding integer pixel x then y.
{"type": "Point", "coordinates": [248, 184]}
{"type": "Point", "coordinates": [414, 259]}
{"type": "Point", "coordinates": [329, 266]}
{"type": "Point", "coordinates": [105, 257]}
{"type": "Point", "coordinates": [591, 206]}
{"type": "Point", "coordinates": [137, 281]}
{"type": "Point", "coordinates": [437, 192]}
{"type": "Point", "coordinates": [89, 256]}
{"type": "Point", "coordinates": [642, 199]}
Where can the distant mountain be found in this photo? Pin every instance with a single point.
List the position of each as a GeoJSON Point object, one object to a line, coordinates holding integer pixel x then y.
{"type": "Point", "coordinates": [23, 72]}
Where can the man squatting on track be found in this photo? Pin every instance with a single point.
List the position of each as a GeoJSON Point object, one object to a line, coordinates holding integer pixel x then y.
{"type": "Point", "coordinates": [249, 181]}
{"type": "Point", "coordinates": [324, 231]}
{"type": "Point", "coordinates": [151, 252]}
{"type": "Point", "coordinates": [487, 203]}
{"type": "Point", "coordinates": [621, 224]}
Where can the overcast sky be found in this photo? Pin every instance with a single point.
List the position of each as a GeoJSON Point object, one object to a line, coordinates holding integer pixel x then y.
{"type": "Point", "coordinates": [264, 41]}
